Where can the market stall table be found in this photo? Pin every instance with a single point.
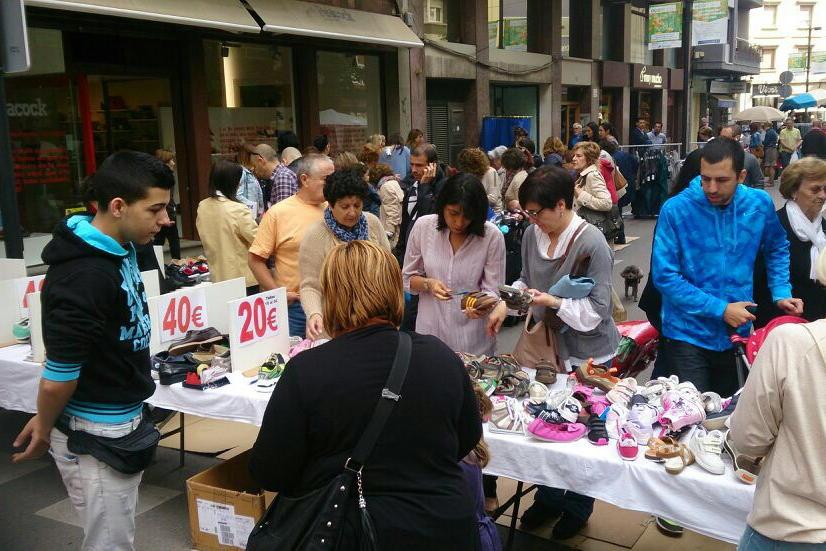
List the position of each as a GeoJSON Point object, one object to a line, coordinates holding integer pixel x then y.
{"type": "Point", "coordinates": [19, 379]}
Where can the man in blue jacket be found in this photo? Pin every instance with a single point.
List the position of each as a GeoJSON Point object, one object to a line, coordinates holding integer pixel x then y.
{"type": "Point", "coordinates": [705, 245]}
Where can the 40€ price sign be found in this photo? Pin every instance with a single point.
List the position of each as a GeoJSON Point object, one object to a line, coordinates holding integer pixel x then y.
{"type": "Point", "coordinates": [256, 317]}
{"type": "Point", "coordinates": [180, 313]}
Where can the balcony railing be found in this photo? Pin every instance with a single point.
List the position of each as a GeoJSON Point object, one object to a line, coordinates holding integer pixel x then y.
{"type": "Point", "coordinates": [747, 53]}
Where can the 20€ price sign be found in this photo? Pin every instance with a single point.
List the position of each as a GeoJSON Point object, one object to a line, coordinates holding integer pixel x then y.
{"type": "Point", "coordinates": [257, 317]}
{"type": "Point", "coordinates": [180, 313]}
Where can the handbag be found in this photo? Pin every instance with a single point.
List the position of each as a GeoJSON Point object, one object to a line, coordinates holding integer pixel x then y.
{"type": "Point", "coordinates": [537, 342]}
{"type": "Point", "coordinates": [128, 454]}
{"type": "Point", "coordinates": [335, 514]}
{"type": "Point", "coordinates": [608, 222]}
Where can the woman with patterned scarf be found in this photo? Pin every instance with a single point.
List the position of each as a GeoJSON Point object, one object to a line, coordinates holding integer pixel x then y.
{"type": "Point", "coordinates": [345, 191]}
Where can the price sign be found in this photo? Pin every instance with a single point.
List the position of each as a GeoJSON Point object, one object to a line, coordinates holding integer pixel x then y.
{"type": "Point", "coordinates": [24, 287]}
{"type": "Point", "coordinates": [180, 313]}
{"type": "Point", "coordinates": [257, 317]}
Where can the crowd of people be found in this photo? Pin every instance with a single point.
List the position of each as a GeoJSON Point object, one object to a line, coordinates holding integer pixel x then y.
{"type": "Point", "coordinates": [390, 237]}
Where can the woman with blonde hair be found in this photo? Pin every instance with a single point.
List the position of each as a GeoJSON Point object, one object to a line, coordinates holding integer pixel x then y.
{"type": "Point", "coordinates": [474, 161]}
{"type": "Point", "coordinates": [591, 193]}
{"type": "Point", "coordinates": [803, 185]}
{"type": "Point", "coordinates": [413, 484]}
{"type": "Point", "coordinates": [554, 152]}
{"type": "Point", "coordinates": [376, 140]}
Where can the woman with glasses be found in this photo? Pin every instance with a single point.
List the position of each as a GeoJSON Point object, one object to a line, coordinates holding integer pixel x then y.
{"type": "Point", "coordinates": [452, 256]}
{"type": "Point", "coordinates": [556, 240]}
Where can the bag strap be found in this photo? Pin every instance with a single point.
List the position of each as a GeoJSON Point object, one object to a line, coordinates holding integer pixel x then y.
{"type": "Point", "coordinates": [578, 231]}
{"type": "Point", "coordinates": [389, 398]}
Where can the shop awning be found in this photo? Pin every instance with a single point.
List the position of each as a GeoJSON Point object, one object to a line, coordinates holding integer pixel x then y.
{"type": "Point", "coordinates": [228, 15]}
{"type": "Point", "coordinates": [319, 20]}
{"type": "Point", "coordinates": [727, 103]}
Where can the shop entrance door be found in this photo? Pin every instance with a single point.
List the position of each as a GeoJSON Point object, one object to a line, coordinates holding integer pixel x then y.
{"type": "Point", "coordinates": [570, 115]}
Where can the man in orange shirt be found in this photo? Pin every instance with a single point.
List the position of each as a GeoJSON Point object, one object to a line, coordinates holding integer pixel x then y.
{"type": "Point", "coordinates": [281, 231]}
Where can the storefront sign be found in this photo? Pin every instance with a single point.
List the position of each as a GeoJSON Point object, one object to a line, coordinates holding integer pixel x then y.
{"type": "Point", "coordinates": [182, 312]}
{"type": "Point", "coordinates": [665, 26]}
{"type": "Point", "coordinates": [255, 318]}
{"type": "Point", "coordinates": [709, 22]}
{"type": "Point", "coordinates": [766, 90]}
{"type": "Point", "coordinates": [647, 76]}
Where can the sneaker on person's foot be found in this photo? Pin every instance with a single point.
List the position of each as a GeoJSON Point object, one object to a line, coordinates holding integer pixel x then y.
{"type": "Point", "coordinates": [538, 514]}
{"type": "Point", "coordinates": [568, 527]}
{"type": "Point", "coordinates": [669, 528]}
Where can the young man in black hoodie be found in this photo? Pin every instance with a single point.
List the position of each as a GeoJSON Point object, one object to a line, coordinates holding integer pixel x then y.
{"type": "Point", "coordinates": [96, 330]}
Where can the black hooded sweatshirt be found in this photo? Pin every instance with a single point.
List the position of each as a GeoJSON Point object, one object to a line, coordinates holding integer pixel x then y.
{"type": "Point", "coordinates": [96, 324]}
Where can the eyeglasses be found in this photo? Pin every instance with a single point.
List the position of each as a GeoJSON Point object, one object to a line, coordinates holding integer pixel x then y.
{"type": "Point", "coordinates": [533, 213]}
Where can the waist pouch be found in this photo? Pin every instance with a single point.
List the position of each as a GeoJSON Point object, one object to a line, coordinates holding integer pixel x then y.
{"type": "Point", "coordinates": [128, 454]}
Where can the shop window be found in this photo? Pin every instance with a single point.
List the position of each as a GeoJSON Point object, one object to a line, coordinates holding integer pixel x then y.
{"type": "Point", "coordinates": [769, 17]}
{"type": "Point", "coordinates": [349, 98]}
{"type": "Point", "coordinates": [508, 24]}
{"type": "Point", "coordinates": [441, 20]}
{"type": "Point", "coordinates": [249, 94]}
{"type": "Point", "coordinates": [45, 137]}
{"type": "Point", "coordinates": [639, 49]}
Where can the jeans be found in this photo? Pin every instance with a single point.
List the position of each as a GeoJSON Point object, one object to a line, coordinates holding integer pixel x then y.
{"type": "Point", "coordinates": [105, 499]}
{"type": "Point", "coordinates": [570, 503]}
{"type": "Point", "coordinates": [297, 319]}
{"type": "Point", "coordinates": [755, 541]}
{"type": "Point", "coordinates": [662, 365]}
{"type": "Point", "coordinates": [411, 312]}
{"type": "Point", "coordinates": [709, 370]}
{"type": "Point", "coordinates": [785, 158]}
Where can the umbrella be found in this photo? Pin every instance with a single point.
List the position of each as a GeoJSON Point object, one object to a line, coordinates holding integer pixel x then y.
{"type": "Point", "coordinates": [813, 98]}
{"type": "Point", "coordinates": [760, 113]}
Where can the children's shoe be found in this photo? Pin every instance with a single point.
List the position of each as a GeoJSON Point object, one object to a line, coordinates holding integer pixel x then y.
{"type": "Point", "coordinates": [479, 301]}
{"type": "Point", "coordinates": [506, 416]}
{"type": "Point", "coordinates": [552, 432]}
{"type": "Point", "coordinates": [614, 419]}
{"type": "Point", "coordinates": [717, 421]}
{"type": "Point", "coordinates": [627, 446]}
{"type": "Point", "coordinates": [597, 434]}
{"type": "Point", "coordinates": [21, 332]}
{"type": "Point", "coordinates": [622, 391]}
{"type": "Point", "coordinates": [683, 414]}
{"type": "Point", "coordinates": [591, 375]}
{"type": "Point", "coordinates": [746, 468]}
{"type": "Point", "coordinates": [707, 447]}
{"type": "Point", "coordinates": [269, 372]}
{"type": "Point", "coordinates": [537, 392]}
{"type": "Point", "coordinates": [644, 415]}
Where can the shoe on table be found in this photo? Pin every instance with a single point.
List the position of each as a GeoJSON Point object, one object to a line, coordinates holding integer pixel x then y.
{"type": "Point", "coordinates": [707, 447]}
{"type": "Point", "coordinates": [597, 377]}
{"type": "Point", "coordinates": [597, 434]}
{"type": "Point", "coordinates": [668, 528]}
{"type": "Point", "coordinates": [567, 527]}
{"type": "Point", "coordinates": [195, 339]}
{"type": "Point", "coordinates": [538, 514]}
{"type": "Point", "coordinates": [21, 332]}
{"type": "Point", "coordinates": [746, 468]}
{"type": "Point", "coordinates": [270, 371]}
{"type": "Point", "coordinates": [717, 421]}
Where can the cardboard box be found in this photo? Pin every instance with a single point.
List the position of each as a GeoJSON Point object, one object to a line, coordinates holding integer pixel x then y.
{"type": "Point", "coordinates": [224, 505]}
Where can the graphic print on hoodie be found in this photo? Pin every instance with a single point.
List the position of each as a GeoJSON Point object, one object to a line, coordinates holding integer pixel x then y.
{"type": "Point", "coordinates": [703, 259]}
{"type": "Point", "coordinates": [96, 324]}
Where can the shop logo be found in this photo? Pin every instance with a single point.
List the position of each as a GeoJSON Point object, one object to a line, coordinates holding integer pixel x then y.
{"type": "Point", "coordinates": [36, 109]}
{"type": "Point", "coordinates": [655, 79]}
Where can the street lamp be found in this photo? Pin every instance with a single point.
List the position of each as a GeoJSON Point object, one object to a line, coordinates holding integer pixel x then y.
{"type": "Point", "coordinates": [809, 56]}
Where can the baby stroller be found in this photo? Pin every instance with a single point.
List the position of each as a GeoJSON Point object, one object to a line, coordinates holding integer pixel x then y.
{"type": "Point", "coordinates": [746, 348]}
{"type": "Point", "coordinates": [637, 347]}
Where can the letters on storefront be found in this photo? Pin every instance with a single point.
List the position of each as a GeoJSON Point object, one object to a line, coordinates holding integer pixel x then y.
{"type": "Point", "coordinates": [646, 76]}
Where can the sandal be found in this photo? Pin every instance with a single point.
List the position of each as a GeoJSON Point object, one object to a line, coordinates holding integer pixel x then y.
{"type": "Point", "coordinates": [479, 301]}
{"type": "Point", "coordinates": [514, 384]}
{"type": "Point", "coordinates": [659, 446]}
{"type": "Point", "coordinates": [545, 372]}
{"type": "Point", "coordinates": [675, 462]}
{"type": "Point", "coordinates": [515, 299]}
{"type": "Point", "coordinates": [538, 392]}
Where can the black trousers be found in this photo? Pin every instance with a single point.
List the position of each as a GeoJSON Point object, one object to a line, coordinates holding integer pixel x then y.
{"type": "Point", "coordinates": [170, 233]}
{"type": "Point", "coordinates": [709, 370]}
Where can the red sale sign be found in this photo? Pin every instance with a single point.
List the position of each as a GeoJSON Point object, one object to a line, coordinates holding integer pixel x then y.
{"type": "Point", "coordinates": [180, 313]}
{"type": "Point", "coordinates": [257, 317]}
{"type": "Point", "coordinates": [26, 286]}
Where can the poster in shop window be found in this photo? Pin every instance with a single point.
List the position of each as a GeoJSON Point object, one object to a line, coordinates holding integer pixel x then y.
{"type": "Point", "coordinates": [665, 26]}
{"type": "Point", "coordinates": [515, 34]}
{"type": "Point", "coordinates": [709, 22]}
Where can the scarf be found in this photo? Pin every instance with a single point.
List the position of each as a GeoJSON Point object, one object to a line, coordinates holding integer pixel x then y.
{"type": "Point", "coordinates": [807, 231]}
{"type": "Point", "coordinates": [359, 232]}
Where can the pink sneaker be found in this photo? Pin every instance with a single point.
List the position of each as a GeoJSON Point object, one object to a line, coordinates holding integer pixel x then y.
{"type": "Point", "coordinates": [550, 432]}
{"type": "Point", "coordinates": [682, 414]}
{"type": "Point", "coordinates": [627, 446]}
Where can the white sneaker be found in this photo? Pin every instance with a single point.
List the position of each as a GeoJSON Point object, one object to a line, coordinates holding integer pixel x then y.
{"type": "Point", "coordinates": [707, 447]}
{"type": "Point", "coordinates": [614, 419]}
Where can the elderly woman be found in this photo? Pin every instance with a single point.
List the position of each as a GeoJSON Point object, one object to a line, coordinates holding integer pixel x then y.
{"type": "Point", "coordinates": [775, 419]}
{"type": "Point", "coordinates": [513, 161]}
{"type": "Point", "coordinates": [474, 161]}
{"type": "Point", "coordinates": [413, 484]}
{"type": "Point", "coordinates": [803, 185]}
{"type": "Point", "coordinates": [550, 247]}
{"type": "Point", "coordinates": [450, 254]}
{"type": "Point", "coordinates": [590, 190]}
{"type": "Point", "coordinates": [345, 191]}
{"type": "Point", "coordinates": [554, 152]}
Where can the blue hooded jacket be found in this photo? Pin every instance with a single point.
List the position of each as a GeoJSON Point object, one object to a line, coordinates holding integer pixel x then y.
{"type": "Point", "coordinates": [703, 259]}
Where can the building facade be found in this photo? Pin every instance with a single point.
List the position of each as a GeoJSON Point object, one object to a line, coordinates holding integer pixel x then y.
{"type": "Point", "coordinates": [782, 30]}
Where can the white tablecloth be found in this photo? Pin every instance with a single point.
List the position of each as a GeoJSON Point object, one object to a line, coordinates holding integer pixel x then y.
{"type": "Point", "coordinates": [714, 505]}
{"type": "Point", "coordinates": [19, 379]}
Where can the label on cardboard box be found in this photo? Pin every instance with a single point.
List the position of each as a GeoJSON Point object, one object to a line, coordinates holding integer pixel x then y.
{"type": "Point", "coordinates": [220, 520]}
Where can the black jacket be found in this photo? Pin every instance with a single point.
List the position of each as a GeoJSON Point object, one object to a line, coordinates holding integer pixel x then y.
{"type": "Point", "coordinates": [803, 287]}
{"type": "Point", "coordinates": [413, 484]}
{"type": "Point", "coordinates": [96, 324]}
{"type": "Point", "coordinates": [425, 204]}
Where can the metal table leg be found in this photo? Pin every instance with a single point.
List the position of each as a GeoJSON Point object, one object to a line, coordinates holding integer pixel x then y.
{"type": "Point", "coordinates": [516, 501]}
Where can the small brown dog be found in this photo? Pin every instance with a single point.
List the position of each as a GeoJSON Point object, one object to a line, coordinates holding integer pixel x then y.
{"type": "Point", "coordinates": [632, 276]}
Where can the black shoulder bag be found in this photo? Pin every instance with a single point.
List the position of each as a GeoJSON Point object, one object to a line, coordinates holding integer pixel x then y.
{"type": "Point", "coordinates": [315, 521]}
